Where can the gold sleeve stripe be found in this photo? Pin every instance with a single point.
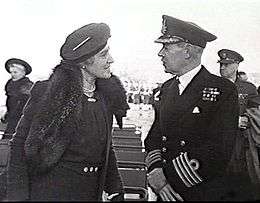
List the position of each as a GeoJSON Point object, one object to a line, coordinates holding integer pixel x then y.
{"type": "Point", "coordinates": [179, 173]}
{"type": "Point", "coordinates": [155, 154]}
{"type": "Point", "coordinates": [184, 172]}
{"type": "Point", "coordinates": [193, 171]}
{"type": "Point", "coordinates": [185, 164]}
{"type": "Point", "coordinates": [154, 151]}
{"type": "Point", "coordinates": [155, 157]}
{"type": "Point", "coordinates": [153, 161]}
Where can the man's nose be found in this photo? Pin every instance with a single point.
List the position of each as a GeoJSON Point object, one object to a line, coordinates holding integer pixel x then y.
{"type": "Point", "coordinates": [110, 59]}
{"type": "Point", "coordinates": [161, 54]}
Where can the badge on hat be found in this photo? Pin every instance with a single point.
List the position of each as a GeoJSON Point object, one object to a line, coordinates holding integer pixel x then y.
{"type": "Point", "coordinates": [175, 31]}
{"type": "Point", "coordinates": [164, 27]}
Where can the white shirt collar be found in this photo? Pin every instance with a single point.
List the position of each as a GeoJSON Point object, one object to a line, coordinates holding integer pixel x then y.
{"type": "Point", "coordinates": [186, 78]}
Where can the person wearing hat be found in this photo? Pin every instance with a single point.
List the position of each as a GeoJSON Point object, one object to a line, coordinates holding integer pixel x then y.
{"type": "Point", "coordinates": [253, 138]}
{"type": "Point", "coordinates": [62, 149]}
{"type": "Point", "coordinates": [229, 63]}
{"type": "Point", "coordinates": [242, 75]}
{"type": "Point", "coordinates": [190, 141]}
{"type": "Point", "coordinates": [17, 93]}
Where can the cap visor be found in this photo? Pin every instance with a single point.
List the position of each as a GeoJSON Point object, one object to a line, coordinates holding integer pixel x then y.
{"type": "Point", "coordinates": [225, 61]}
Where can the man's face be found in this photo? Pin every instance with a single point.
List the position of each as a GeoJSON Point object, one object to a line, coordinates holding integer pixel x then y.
{"type": "Point", "coordinates": [228, 70]}
{"type": "Point", "coordinates": [173, 58]}
{"type": "Point", "coordinates": [100, 68]}
{"type": "Point", "coordinates": [243, 77]}
{"type": "Point", "coordinates": [17, 71]}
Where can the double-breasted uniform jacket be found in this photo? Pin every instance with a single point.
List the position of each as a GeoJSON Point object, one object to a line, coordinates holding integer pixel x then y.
{"type": "Point", "coordinates": [42, 138]}
{"type": "Point", "coordinates": [17, 94]}
{"type": "Point", "coordinates": [192, 135]}
{"type": "Point", "coordinates": [245, 89]}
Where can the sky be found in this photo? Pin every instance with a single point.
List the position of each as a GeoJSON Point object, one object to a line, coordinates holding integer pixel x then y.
{"type": "Point", "coordinates": [34, 30]}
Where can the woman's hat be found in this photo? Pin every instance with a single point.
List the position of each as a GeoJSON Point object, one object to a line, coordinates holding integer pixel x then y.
{"type": "Point", "coordinates": [85, 42]}
{"type": "Point", "coordinates": [27, 67]}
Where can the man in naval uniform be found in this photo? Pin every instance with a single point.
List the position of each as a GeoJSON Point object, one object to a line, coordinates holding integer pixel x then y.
{"type": "Point", "coordinates": [191, 139]}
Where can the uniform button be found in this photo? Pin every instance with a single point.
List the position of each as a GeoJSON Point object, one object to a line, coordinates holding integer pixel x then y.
{"type": "Point", "coordinates": [164, 161]}
{"type": "Point", "coordinates": [164, 138]}
{"type": "Point", "coordinates": [183, 143]}
{"type": "Point", "coordinates": [164, 149]}
{"type": "Point", "coordinates": [85, 169]}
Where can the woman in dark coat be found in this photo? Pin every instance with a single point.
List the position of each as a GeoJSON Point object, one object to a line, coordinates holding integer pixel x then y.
{"type": "Point", "coordinates": [62, 149]}
{"type": "Point", "coordinates": [17, 92]}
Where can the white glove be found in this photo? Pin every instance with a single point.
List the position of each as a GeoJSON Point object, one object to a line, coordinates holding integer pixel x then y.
{"type": "Point", "coordinates": [243, 122]}
{"type": "Point", "coordinates": [158, 182]}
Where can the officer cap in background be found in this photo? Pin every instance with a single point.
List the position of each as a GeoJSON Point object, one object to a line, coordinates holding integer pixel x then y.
{"type": "Point", "coordinates": [228, 56]}
{"type": "Point", "coordinates": [175, 31]}
{"type": "Point", "coordinates": [27, 67]}
{"type": "Point", "coordinates": [85, 42]}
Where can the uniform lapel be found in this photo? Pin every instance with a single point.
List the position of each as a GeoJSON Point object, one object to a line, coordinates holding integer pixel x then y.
{"type": "Point", "coordinates": [193, 92]}
{"type": "Point", "coordinates": [174, 107]}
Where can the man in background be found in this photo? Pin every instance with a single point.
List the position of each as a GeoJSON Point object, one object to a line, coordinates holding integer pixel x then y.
{"type": "Point", "coordinates": [229, 62]}
{"type": "Point", "coordinates": [242, 75]}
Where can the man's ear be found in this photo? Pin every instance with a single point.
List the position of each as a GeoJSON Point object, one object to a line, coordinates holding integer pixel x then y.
{"type": "Point", "coordinates": [187, 50]}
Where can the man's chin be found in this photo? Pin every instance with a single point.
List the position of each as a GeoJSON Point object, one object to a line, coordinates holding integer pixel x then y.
{"type": "Point", "coordinates": [107, 76]}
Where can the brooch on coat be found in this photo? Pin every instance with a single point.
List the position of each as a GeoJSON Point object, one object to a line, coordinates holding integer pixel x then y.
{"type": "Point", "coordinates": [90, 99]}
{"type": "Point", "coordinates": [210, 94]}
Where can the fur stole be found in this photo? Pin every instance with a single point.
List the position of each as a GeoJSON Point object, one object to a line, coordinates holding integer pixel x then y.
{"type": "Point", "coordinates": [45, 143]}
{"type": "Point", "coordinates": [59, 109]}
{"type": "Point", "coordinates": [115, 97]}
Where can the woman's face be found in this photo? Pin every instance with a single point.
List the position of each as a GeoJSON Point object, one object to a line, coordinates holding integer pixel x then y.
{"type": "Point", "coordinates": [100, 67]}
{"type": "Point", "coordinates": [17, 71]}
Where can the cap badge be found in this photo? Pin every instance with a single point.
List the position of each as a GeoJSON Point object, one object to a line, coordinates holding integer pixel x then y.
{"type": "Point", "coordinates": [224, 55]}
{"type": "Point", "coordinates": [210, 94]}
{"type": "Point", "coordinates": [81, 43]}
{"type": "Point", "coordinates": [164, 27]}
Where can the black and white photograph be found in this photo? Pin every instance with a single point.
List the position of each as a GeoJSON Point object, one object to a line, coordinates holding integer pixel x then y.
{"type": "Point", "coordinates": [129, 100]}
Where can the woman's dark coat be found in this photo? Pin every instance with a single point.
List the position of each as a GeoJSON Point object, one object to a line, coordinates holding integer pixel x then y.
{"type": "Point", "coordinates": [17, 93]}
{"type": "Point", "coordinates": [37, 146]}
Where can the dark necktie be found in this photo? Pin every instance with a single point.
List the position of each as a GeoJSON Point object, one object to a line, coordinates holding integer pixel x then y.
{"type": "Point", "coordinates": [175, 86]}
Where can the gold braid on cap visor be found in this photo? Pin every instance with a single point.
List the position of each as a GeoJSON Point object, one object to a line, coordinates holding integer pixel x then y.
{"type": "Point", "coordinates": [172, 39]}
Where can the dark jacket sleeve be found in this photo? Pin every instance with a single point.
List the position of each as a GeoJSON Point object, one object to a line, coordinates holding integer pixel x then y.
{"type": "Point", "coordinates": [17, 174]}
{"type": "Point", "coordinates": [153, 140]}
{"type": "Point", "coordinates": [113, 182]}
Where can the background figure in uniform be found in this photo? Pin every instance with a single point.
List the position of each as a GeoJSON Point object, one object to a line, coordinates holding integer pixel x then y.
{"type": "Point", "coordinates": [17, 93]}
{"type": "Point", "coordinates": [190, 142]}
{"type": "Point", "coordinates": [62, 148]}
{"type": "Point", "coordinates": [229, 63]}
{"type": "Point", "coordinates": [242, 75]}
{"type": "Point", "coordinates": [253, 137]}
